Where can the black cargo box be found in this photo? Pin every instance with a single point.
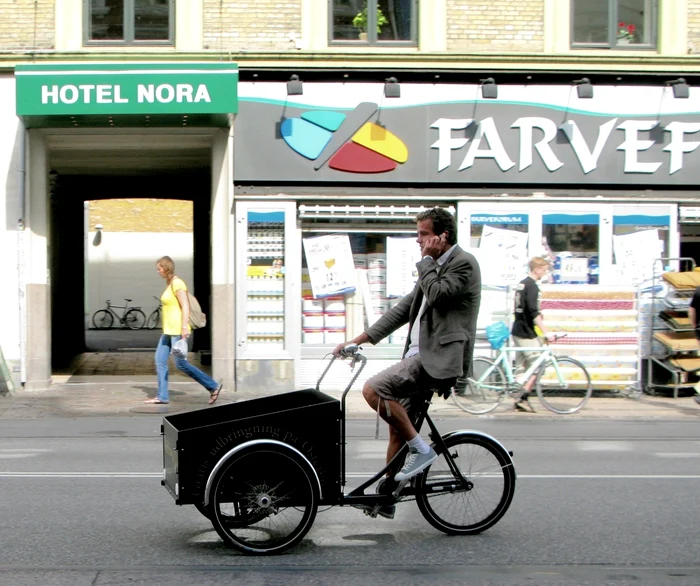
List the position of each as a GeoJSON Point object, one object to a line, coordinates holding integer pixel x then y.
{"type": "Point", "coordinates": [194, 442]}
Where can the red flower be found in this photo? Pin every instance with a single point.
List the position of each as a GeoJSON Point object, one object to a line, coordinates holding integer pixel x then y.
{"type": "Point", "coordinates": [620, 24]}
{"type": "Point", "coordinates": [631, 28]}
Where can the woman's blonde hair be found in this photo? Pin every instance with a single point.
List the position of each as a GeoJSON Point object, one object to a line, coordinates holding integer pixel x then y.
{"type": "Point", "coordinates": [167, 264]}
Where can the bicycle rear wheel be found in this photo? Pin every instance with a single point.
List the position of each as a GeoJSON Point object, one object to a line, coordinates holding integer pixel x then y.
{"type": "Point", "coordinates": [134, 319]}
{"type": "Point", "coordinates": [453, 508]}
{"type": "Point", "coordinates": [482, 393]}
{"type": "Point", "coordinates": [565, 391]}
{"type": "Point", "coordinates": [102, 319]}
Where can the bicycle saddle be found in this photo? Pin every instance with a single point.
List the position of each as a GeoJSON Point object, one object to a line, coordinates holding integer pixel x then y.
{"type": "Point", "coordinates": [125, 299]}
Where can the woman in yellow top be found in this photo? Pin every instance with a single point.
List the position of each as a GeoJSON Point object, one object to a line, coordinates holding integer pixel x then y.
{"type": "Point", "coordinates": [176, 316]}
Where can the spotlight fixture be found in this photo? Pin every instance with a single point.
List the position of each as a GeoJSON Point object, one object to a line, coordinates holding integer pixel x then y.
{"type": "Point", "coordinates": [584, 89]}
{"type": "Point", "coordinates": [294, 86]}
{"type": "Point", "coordinates": [680, 88]}
{"type": "Point", "coordinates": [97, 240]}
{"type": "Point", "coordinates": [489, 89]}
{"type": "Point", "coordinates": [392, 89]}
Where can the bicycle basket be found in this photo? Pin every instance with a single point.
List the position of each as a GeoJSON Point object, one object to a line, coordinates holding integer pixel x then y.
{"type": "Point", "coordinates": [497, 334]}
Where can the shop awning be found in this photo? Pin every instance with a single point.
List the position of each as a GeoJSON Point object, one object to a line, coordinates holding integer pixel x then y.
{"type": "Point", "coordinates": [126, 95]}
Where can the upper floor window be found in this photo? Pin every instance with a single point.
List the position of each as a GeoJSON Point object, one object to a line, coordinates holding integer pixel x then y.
{"type": "Point", "coordinates": [614, 24]}
{"type": "Point", "coordinates": [374, 22]}
{"type": "Point", "coordinates": [130, 22]}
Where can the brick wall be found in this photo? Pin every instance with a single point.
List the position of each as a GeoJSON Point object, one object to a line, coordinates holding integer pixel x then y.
{"type": "Point", "coordinates": [495, 25]}
{"type": "Point", "coordinates": [252, 24]}
{"type": "Point", "coordinates": [26, 24]}
{"type": "Point", "coordinates": [694, 26]}
{"type": "Point", "coordinates": [141, 215]}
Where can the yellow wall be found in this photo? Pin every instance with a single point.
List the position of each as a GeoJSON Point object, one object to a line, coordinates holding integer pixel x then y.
{"type": "Point", "coordinates": [141, 215]}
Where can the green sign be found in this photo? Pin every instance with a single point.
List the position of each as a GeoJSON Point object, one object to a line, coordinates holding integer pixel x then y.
{"type": "Point", "coordinates": [107, 89]}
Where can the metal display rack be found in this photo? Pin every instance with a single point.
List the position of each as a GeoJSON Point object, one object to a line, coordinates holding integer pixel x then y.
{"type": "Point", "coordinates": [671, 363]}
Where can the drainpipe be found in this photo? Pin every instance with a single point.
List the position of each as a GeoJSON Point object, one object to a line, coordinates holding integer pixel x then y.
{"type": "Point", "coordinates": [21, 250]}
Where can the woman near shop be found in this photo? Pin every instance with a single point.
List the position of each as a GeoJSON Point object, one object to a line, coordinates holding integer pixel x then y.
{"type": "Point", "coordinates": [176, 315]}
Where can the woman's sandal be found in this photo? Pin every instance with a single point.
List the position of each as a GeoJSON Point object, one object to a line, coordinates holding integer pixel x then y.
{"type": "Point", "coordinates": [214, 395]}
{"type": "Point", "coordinates": [155, 402]}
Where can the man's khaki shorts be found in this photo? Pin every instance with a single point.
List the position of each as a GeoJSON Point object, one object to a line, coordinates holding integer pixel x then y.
{"type": "Point", "coordinates": [406, 379]}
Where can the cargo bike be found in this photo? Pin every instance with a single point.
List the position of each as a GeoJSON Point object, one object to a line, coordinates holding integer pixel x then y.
{"type": "Point", "coordinates": [259, 469]}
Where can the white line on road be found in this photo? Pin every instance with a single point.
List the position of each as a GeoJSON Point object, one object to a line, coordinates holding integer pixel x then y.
{"type": "Point", "coordinates": [80, 475]}
{"type": "Point", "coordinates": [361, 475]}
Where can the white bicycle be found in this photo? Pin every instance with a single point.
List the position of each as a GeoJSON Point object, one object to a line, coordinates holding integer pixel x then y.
{"type": "Point", "coordinates": [563, 384]}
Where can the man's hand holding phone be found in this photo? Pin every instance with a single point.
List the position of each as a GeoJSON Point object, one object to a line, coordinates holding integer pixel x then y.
{"type": "Point", "coordinates": [434, 246]}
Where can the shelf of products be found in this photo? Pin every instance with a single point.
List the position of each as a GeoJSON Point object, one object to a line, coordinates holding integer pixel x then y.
{"type": "Point", "coordinates": [600, 323]}
{"type": "Point", "coordinates": [671, 357]}
{"type": "Point", "coordinates": [265, 283]}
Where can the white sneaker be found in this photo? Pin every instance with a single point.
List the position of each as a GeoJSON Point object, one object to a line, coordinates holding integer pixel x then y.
{"type": "Point", "coordinates": [415, 464]}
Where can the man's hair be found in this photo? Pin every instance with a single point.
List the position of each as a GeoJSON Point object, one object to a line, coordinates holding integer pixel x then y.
{"type": "Point", "coordinates": [538, 261]}
{"type": "Point", "coordinates": [167, 264]}
{"type": "Point", "coordinates": [442, 221]}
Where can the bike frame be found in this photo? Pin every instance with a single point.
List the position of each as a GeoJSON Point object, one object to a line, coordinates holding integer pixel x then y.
{"type": "Point", "coordinates": [358, 496]}
{"type": "Point", "coordinates": [110, 307]}
{"type": "Point", "coordinates": [503, 360]}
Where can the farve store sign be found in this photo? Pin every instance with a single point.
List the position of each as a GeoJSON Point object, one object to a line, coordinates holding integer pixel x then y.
{"type": "Point", "coordinates": [127, 89]}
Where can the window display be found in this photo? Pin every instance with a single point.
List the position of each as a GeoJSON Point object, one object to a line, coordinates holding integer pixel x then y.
{"type": "Point", "coordinates": [265, 278]}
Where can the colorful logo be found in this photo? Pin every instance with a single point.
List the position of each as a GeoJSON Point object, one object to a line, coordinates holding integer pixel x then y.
{"type": "Point", "coordinates": [347, 142]}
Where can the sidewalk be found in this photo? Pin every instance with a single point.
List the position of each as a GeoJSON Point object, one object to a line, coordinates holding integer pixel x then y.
{"type": "Point", "coordinates": [111, 397]}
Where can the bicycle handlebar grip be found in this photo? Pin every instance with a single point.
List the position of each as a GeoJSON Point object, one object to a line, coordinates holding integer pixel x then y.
{"type": "Point", "coordinates": [349, 350]}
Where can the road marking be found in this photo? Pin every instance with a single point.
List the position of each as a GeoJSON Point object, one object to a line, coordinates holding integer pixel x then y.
{"type": "Point", "coordinates": [359, 475]}
{"type": "Point", "coordinates": [17, 453]}
{"type": "Point", "coordinates": [678, 454]}
{"type": "Point", "coordinates": [80, 475]}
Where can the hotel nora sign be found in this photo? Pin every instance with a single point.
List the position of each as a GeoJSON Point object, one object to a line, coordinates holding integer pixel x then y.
{"type": "Point", "coordinates": [126, 89]}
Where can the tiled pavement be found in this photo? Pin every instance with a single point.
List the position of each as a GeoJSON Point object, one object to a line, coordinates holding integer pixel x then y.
{"type": "Point", "coordinates": [117, 383]}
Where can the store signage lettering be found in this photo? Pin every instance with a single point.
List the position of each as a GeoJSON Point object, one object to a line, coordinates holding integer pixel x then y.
{"type": "Point", "coordinates": [498, 219]}
{"type": "Point", "coordinates": [114, 94]}
{"type": "Point", "coordinates": [57, 94]}
{"type": "Point", "coordinates": [488, 144]}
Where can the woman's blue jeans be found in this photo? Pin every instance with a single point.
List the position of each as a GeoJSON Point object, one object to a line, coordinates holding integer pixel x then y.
{"type": "Point", "coordinates": [162, 353]}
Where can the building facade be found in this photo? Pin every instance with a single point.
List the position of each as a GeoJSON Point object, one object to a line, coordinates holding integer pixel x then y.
{"type": "Point", "coordinates": [551, 126]}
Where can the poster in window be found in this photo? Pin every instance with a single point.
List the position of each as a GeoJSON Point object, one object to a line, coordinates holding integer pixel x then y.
{"type": "Point", "coordinates": [502, 256]}
{"type": "Point", "coordinates": [331, 268]}
{"type": "Point", "coordinates": [635, 254]}
{"type": "Point", "coordinates": [402, 254]}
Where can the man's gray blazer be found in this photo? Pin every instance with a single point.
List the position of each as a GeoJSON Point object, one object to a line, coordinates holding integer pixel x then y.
{"type": "Point", "coordinates": [448, 324]}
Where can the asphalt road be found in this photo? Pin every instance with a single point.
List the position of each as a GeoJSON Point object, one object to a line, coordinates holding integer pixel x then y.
{"type": "Point", "coordinates": [596, 503]}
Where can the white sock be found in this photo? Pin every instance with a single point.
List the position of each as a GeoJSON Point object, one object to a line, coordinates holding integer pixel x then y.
{"type": "Point", "coordinates": [417, 444]}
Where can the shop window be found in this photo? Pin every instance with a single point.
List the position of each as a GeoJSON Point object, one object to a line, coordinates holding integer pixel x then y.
{"type": "Point", "coordinates": [571, 240]}
{"type": "Point", "coordinates": [374, 22]}
{"type": "Point", "coordinates": [265, 272]}
{"type": "Point", "coordinates": [384, 252]}
{"type": "Point", "coordinates": [130, 22]}
{"type": "Point", "coordinates": [614, 24]}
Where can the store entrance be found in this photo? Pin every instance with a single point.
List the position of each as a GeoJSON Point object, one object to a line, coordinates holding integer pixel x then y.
{"type": "Point", "coordinates": [106, 232]}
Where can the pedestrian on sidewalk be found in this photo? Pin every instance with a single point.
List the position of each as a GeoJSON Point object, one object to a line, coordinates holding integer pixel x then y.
{"type": "Point", "coordinates": [693, 313]}
{"type": "Point", "coordinates": [442, 311]}
{"type": "Point", "coordinates": [528, 317]}
{"type": "Point", "coordinates": [176, 315]}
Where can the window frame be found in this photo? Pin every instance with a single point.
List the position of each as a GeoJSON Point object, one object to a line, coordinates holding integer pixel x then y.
{"type": "Point", "coordinates": [652, 9]}
{"type": "Point", "coordinates": [372, 40]}
{"type": "Point", "coordinates": [129, 28]}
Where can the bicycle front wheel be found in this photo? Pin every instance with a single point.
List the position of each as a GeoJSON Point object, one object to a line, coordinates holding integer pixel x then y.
{"type": "Point", "coordinates": [458, 509]}
{"type": "Point", "coordinates": [102, 319]}
{"type": "Point", "coordinates": [484, 390]}
{"type": "Point", "coordinates": [563, 385]}
{"type": "Point", "coordinates": [264, 499]}
{"type": "Point", "coordinates": [153, 320]}
{"type": "Point", "coordinates": [134, 319]}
